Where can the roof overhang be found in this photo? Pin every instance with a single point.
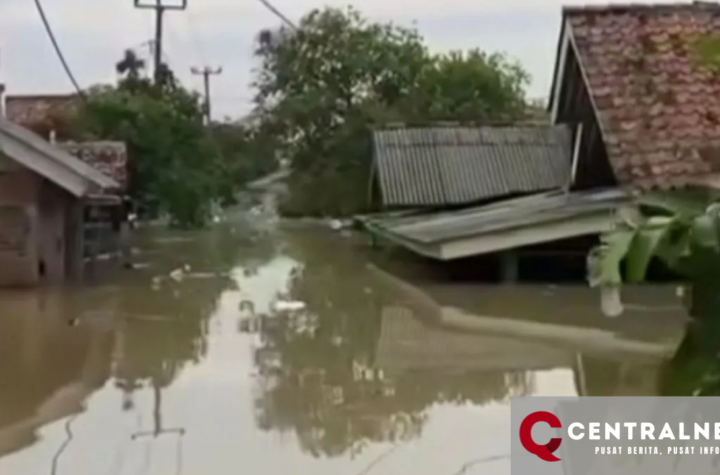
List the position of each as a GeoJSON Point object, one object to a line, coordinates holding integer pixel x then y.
{"type": "Point", "coordinates": [51, 162]}
{"type": "Point", "coordinates": [563, 47]}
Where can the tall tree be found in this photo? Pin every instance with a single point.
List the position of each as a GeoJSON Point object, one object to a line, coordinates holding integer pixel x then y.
{"type": "Point", "coordinates": [321, 87]}
{"type": "Point", "coordinates": [173, 166]}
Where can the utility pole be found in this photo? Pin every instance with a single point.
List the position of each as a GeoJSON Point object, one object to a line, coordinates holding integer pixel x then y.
{"type": "Point", "coordinates": [206, 72]}
{"type": "Point", "coordinates": [159, 8]}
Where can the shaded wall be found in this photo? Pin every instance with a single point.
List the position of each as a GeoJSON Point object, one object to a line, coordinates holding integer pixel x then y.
{"type": "Point", "coordinates": [18, 225]}
{"type": "Point", "coordinates": [33, 227]}
{"type": "Point", "coordinates": [53, 204]}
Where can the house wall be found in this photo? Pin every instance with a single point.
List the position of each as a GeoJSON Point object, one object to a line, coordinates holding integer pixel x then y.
{"type": "Point", "coordinates": [33, 228]}
{"type": "Point", "coordinates": [53, 204]}
{"type": "Point", "coordinates": [18, 225]}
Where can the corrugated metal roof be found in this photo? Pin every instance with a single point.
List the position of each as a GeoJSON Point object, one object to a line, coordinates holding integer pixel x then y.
{"type": "Point", "coordinates": [444, 226]}
{"type": "Point", "coordinates": [446, 166]}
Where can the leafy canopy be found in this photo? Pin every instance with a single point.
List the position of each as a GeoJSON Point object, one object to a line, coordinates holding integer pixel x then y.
{"type": "Point", "coordinates": [177, 164]}
{"type": "Point", "coordinates": [321, 88]}
{"type": "Point", "coordinates": [682, 228]}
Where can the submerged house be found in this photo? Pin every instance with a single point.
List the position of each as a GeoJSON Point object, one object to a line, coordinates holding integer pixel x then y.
{"type": "Point", "coordinates": [102, 216]}
{"type": "Point", "coordinates": [46, 196]}
{"type": "Point", "coordinates": [456, 192]}
{"type": "Point", "coordinates": [643, 112]}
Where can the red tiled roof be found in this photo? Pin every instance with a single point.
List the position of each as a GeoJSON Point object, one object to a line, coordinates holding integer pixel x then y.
{"type": "Point", "coordinates": [33, 110]}
{"type": "Point", "coordinates": [39, 112]}
{"type": "Point", "coordinates": [107, 157]}
{"type": "Point", "coordinates": [657, 103]}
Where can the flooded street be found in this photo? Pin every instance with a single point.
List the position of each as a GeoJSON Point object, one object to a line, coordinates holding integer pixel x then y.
{"type": "Point", "coordinates": [218, 369]}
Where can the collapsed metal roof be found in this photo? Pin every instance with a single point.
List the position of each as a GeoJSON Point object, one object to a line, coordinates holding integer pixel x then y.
{"type": "Point", "coordinates": [426, 232]}
{"type": "Point", "coordinates": [439, 166]}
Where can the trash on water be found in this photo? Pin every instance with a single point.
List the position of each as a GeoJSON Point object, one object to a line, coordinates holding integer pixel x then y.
{"type": "Point", "coordinates": [289, 306]}
{"type": "Point", "coordinates": [339, 225]}
{"type": "Point", "coordinates": [177, 275]}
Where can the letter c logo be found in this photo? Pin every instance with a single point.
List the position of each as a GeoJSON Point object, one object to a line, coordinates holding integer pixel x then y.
{"type": "Point", "coordinates": [545, 452]}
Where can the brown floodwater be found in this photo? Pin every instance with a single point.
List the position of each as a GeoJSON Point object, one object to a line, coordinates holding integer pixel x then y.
{"type": "Point", "coordinates": [150, 371]}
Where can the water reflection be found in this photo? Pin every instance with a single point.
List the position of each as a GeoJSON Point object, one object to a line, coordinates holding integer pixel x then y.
{"type": "Point", "coordinates": [372, 355]}
{"type": "Point", "coordinates": [47, 369]}
{"type": "Point", "coordinates": [58, 348]}
{"type": "Point", "coordinates": [218, 368]}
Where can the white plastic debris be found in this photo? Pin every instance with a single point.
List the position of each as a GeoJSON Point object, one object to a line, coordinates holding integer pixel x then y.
{"type": "Point", "coordinates": [176, 275]}
{"type": "Point", "coordinates": [610, 302]}
{"type": "Point", "coordinates": [336, 224]}
{"type": "Point", "coordinates": [291, 306]}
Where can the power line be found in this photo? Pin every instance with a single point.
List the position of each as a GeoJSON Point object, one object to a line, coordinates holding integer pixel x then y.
{"type": "Point", "coordinates": [58, 51]}
{"type": "Point", "coordinates": [278, 14]}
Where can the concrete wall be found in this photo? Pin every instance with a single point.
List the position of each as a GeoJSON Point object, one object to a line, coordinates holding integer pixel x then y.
{"type": "Point", "coordinates": [18, 226]}
{"type": "Point", "coordinates": [33, 216]}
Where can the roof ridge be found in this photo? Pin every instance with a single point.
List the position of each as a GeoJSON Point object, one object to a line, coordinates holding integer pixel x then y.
{"type": "Point", "coordinates": [533, 124]}
{"type": "Point", "coordinates": [618, 8]}
{"type": "Point", "coordinates": [66, 96]}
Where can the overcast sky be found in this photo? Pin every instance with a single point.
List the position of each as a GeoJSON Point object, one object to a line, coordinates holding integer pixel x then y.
{"type": "Point", "coordinates": [93, 34]}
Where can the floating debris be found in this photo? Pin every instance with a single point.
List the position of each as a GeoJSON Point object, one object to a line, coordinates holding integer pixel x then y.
{"type": "Point", "coordinates": [177, 275]}
{"type": "Point", "coordinates": [290, 306]}
{"type": "Point", "coordinates": [137, 265]}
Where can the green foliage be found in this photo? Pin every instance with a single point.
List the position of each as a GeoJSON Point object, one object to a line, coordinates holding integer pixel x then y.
{"type": "Point", "coordinates": [682, 229]}
{"type": "Point", "coordinates": [472, 86]}
{"type": "Point", "coordinates": [323, 86]}
{"type": "Point", "coordinates": [171, 164]}
{"type": "Point", "coordinates": [177, 164]}
{"type": "Point", "coordinates": [246, 153]}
